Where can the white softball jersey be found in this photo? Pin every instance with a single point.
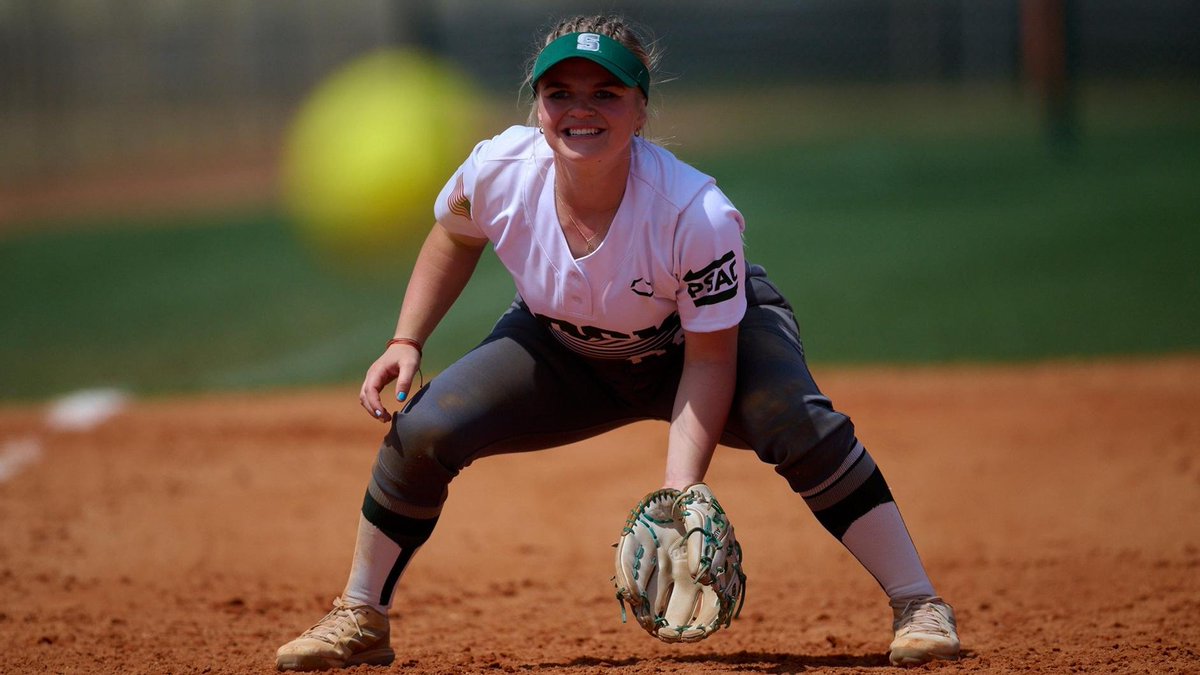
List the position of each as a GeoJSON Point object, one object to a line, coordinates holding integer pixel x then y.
{"type": "Point", "coordinates": [672, 259]}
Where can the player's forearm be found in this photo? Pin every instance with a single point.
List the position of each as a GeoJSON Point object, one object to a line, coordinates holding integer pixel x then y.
{"type": "Point", "coordinates": [701, 406]}
{"type": "Point", "coordinates": [441, 271]}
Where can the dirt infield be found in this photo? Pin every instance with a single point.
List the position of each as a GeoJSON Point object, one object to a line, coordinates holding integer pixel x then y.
{"type": "Point", "coordinates": [1055, 506]}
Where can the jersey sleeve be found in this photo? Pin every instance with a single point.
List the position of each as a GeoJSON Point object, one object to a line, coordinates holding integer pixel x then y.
{"type": "Point", "coordinates": [710, 260]}
{"type": "Point", "coordinates": [453, 206]}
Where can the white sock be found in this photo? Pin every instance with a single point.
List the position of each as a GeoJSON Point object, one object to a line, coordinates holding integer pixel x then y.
{"type": "Point", "coordinates": [374, 557]}
{"type": "Point", "coordinates": [881, 543]}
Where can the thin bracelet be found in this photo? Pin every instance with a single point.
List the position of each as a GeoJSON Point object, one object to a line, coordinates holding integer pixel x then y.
{"type": "Point", "coordinates": [406, 341]}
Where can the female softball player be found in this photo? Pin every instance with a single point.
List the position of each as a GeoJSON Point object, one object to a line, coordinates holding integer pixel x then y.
{"type": "Point", "coordinates": [634, 302]}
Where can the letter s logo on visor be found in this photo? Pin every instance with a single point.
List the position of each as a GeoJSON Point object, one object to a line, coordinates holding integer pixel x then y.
{"type": "Point", "coordinates": [588, 42]}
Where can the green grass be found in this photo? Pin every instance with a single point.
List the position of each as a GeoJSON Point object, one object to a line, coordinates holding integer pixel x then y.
{"type": "Point", "coordinates": [979, 248]}
{"type": "Point", "coordinates": [892, 247]}
{"type": "Point", "coordinates": [229, 305]}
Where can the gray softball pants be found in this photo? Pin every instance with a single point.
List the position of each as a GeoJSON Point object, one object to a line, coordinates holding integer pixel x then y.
{"type": "Point", "coordinates": [521, 390]}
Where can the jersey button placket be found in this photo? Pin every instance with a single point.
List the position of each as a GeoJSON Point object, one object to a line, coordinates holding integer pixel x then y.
{"type": "Point", "coordinates": [578, 296]}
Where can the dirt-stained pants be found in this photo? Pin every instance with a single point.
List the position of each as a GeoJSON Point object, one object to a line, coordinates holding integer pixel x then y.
{"type": "Point", "coordinates": [521, 390]}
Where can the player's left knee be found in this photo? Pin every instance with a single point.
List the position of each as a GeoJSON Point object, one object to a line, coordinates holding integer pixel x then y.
{"type": "Point", "coordinates": [807, 442]}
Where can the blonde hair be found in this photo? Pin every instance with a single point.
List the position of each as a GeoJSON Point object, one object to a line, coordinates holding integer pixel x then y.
{"type": "Point", "coordinates": [615, 27]}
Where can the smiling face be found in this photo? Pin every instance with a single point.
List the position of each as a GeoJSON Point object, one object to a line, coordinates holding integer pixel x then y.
{"type": "Point", "coordinates": [586, 113]}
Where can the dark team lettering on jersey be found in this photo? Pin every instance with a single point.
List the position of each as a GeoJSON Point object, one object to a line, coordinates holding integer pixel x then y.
{"type": "Point", "coordinates": [600, 343]}
{"type": "Point", "coordinates": [716, 282]}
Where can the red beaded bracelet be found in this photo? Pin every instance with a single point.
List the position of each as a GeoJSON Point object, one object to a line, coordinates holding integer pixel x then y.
{"type": "Point", "coordinates": [405, 341]}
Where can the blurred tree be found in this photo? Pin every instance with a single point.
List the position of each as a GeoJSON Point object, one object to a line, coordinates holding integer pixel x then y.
{"type": "Point", "coordinates": [1048, 58]}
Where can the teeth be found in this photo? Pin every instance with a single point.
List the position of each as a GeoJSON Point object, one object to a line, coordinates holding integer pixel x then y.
{"type": "Point", "coordinates": [582, 132]}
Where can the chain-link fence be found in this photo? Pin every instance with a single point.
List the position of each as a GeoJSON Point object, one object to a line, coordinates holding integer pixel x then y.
{"type": "Point", "coordinates": [152, 83]}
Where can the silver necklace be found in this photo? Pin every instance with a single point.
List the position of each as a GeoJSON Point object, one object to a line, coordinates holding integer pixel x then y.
{"type": "Point", "coordinates": [587, 241]}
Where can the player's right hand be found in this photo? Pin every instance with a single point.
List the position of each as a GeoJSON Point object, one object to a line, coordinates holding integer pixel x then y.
{"type": "Point", "coordinates": [399, 363]}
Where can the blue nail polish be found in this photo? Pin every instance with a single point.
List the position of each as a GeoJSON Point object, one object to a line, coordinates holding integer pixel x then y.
{"type": "Point", "coordinates": [401, 396]}
{"type": "Point", "coordinates": [378, 413]}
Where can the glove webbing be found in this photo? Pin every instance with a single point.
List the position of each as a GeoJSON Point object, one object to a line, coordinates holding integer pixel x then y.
{"type": "Point", "coordinates": [639, 513]}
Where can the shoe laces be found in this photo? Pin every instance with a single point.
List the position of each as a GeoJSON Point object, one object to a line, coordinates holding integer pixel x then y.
{"type": "Point", "coordinates": [928, 615]}
{"type": "Point", "coordinates": [335, 623]}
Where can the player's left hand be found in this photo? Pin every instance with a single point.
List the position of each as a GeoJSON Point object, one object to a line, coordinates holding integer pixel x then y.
{"type": "Point", "coordinates": [679, 566]}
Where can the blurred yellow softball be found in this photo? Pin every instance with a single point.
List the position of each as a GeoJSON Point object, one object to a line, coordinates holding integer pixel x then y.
{"type": "Point", "coordinates": [370, 149]}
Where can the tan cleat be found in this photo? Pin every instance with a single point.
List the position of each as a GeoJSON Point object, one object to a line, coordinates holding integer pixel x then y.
{"type": "Point", "coordinates": [347, 636]}
{"type": "Point", "coordinates": [925, 630]}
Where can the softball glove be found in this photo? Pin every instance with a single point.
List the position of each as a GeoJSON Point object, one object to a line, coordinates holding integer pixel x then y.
{"type": "Point", "coordinates": [679, 567]}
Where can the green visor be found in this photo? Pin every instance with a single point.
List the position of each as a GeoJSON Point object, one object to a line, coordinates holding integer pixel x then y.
{"type": "Point", "coordinates": [601, 49]}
